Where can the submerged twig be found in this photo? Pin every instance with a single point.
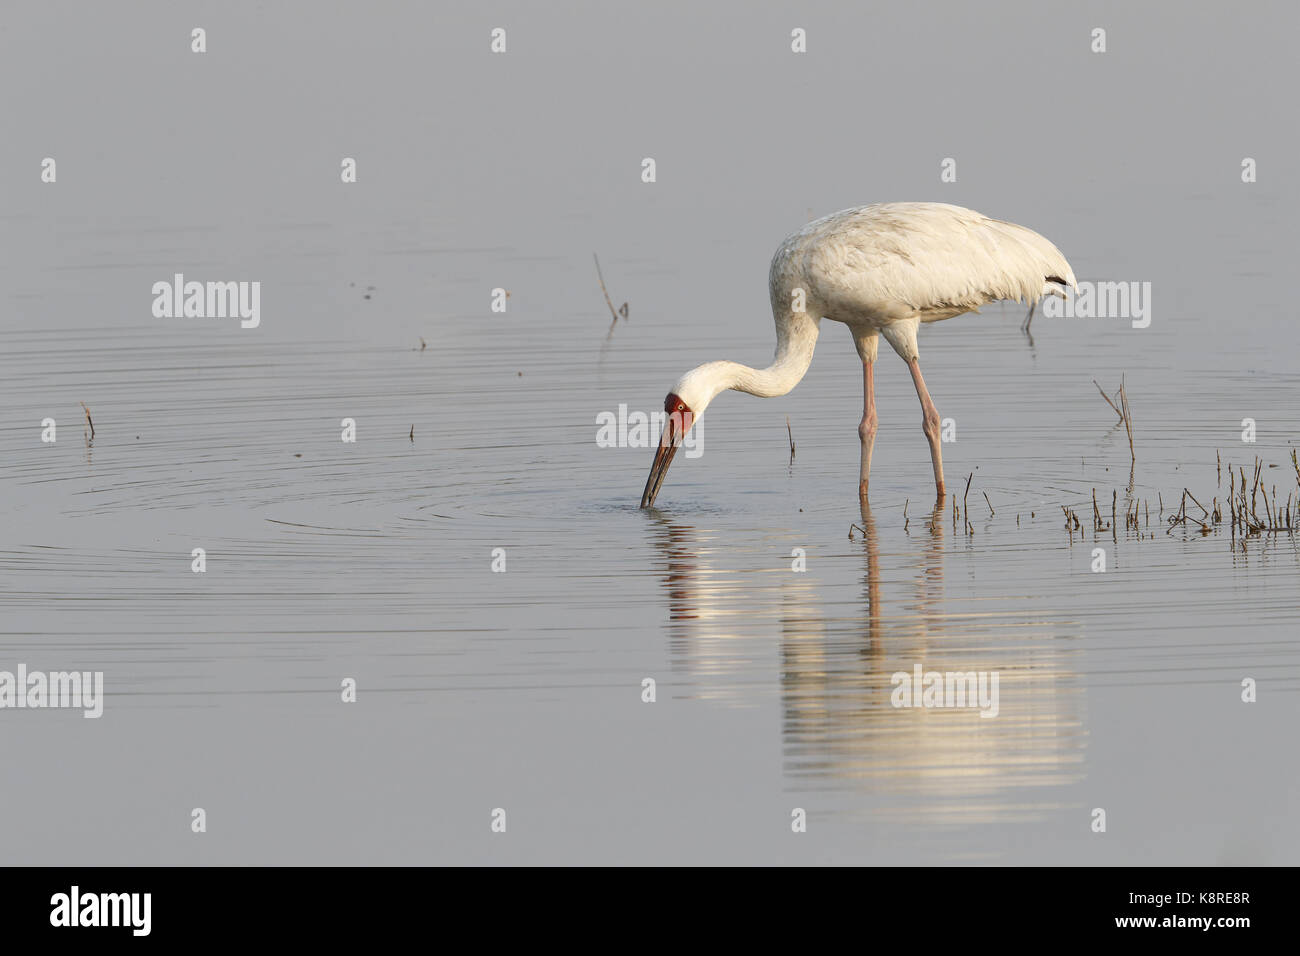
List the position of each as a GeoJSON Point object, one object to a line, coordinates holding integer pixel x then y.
{"type": "Point", "coordinates": [89, 421]}
{"type": "Point", "coordinates": [612, 311]}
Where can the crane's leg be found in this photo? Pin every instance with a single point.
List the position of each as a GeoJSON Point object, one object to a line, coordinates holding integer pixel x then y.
{"type": "Point", "coordinates": [867, 429]}
{"type": "Point", "coordinates": [929, 424]}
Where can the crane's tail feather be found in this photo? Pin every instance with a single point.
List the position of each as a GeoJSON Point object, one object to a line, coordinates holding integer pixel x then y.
{"type": "Point", "coordinates": [1055, 285]}
{"type": "Point", "coordinates": [1044, 269]}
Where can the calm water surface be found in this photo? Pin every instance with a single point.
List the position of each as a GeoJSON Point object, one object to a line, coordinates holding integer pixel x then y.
{"type": "Point", "coordinates": [479, 689]}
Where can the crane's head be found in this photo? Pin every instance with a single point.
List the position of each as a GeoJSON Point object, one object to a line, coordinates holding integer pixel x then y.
{"type": "Point", "coordinates": [678, 422]}
{"type": "Point", "coordinates": [684, 407]}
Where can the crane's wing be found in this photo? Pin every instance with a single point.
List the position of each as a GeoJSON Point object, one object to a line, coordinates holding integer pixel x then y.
{"type": "Point", "coordinates": [928, 259]}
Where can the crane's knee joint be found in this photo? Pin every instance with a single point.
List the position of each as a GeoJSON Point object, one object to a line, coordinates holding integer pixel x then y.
{"type": "Point", "coordinates": [867, 428]}
{"type": "Point", "coordinates": [930, 424]}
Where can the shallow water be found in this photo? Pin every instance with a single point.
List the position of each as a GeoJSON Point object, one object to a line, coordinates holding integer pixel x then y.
{"type": "Point", "coordinates": [522, 689]}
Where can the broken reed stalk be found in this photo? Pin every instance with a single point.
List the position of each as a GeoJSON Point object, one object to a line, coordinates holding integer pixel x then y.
{"type": "Point", "coordinates": [852, 526]}
{"type": "Point", "coordinates": [790, 435]}
{"type": "Point", "coordinates": [990, 504]}
{"type": "Point", "coordinates": [1108, 401]}
{"type": "Point", "coordinates": [970, 528]}
{"type": "Point", "coordinates": [1179, 517]}
{"type": "Point", "coordinates": [89, 421]}
{"type": "Point", "coordinates": [1254, 489]}
{"type": "Point", "coordinates": [1121, 409]}
{"type": "Point", "coordinates": [605, 292]}
{"type": "Point", "coordinates": [1128, 417]}
{"type": "Point", "coordinates": [1132, 515]}
{"type": "Point", "coordinates": [1071, 522]}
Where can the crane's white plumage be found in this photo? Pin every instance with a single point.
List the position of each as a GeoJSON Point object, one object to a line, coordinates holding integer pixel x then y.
{"type": "Point", "coordinates": [881, 270]}
{"type": "Point", "coordinates": [932, 261]}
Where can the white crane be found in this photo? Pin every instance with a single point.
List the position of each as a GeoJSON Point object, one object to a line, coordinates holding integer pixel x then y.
{"type": "Point", "coordinates": [881, 270]}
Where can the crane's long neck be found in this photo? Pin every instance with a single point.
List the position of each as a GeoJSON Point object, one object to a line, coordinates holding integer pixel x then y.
{"type": "Point", "coordinates": [796, 339]}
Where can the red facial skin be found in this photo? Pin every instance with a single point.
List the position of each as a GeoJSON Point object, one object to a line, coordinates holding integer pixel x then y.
{"type": "Point", "coordinates": [678, 423]}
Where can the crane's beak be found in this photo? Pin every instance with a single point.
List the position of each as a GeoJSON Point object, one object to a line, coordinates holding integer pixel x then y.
{"type": "Point", "coordinates": [675, 429]}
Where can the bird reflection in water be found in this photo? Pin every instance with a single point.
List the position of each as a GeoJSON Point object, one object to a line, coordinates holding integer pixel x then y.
{"type": "Point", "coordinates": [838, 652]}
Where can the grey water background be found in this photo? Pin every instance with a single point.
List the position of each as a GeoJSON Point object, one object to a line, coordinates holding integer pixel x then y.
{"type": "Point", "coordinates": [522, 690]}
